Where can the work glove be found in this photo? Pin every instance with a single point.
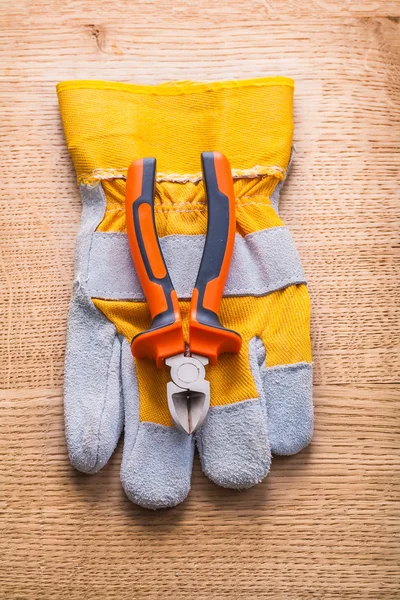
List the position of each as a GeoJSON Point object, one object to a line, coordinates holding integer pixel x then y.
{"type": "Point", "coordinates": [261, 398]}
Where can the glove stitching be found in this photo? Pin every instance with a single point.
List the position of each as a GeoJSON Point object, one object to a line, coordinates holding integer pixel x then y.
{"type": "Point", "coordinates": [230, 408]}
{"type": "Point", "coordinates": [86, 279]}
{"type": "Point", "coordinates": [265, 370]}
{"type": "Point", "coordinates": [104, 402]}
{"type": "Point", "coordinates": [243, 291]}
{"type": "Point", "coordinates": [258, 171]}
{"type": "Point", "coordinates": [196, 239]}
{"type": "Point", "coordinates": [193, 209]}
{"type": "Point", "coordinates": [89, 249]}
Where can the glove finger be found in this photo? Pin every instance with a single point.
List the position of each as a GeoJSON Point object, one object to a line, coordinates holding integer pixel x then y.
{"type": "Point", "coordinates": [288, 390]}
{"type": "Point", "coordinates": [284, 357]}
{"type": "Point", "coordinates": [92, 399]}
{"type": "Point", "coordinates": [157, 459]}
{"type": "Point", "coordinates": [233, 442]}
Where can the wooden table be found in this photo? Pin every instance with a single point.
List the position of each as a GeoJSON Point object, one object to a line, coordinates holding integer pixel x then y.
{"type": "Point", "coordinates": [324, 523]}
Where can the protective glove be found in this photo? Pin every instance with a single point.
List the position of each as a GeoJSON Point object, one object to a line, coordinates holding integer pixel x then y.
{"type": "Point", "coordinates": [261, 398]}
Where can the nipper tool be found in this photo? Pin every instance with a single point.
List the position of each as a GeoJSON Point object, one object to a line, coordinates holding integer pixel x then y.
{"type": "Point", "coordinates": [188, 391]}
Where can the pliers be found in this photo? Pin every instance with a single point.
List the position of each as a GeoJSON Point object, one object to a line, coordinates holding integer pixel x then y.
{"type": "Point", "coordinates": [188, 391]}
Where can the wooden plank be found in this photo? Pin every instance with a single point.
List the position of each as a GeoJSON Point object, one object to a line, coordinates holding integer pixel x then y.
{"type": "Point", "coordinates": [322, 525]}
{"type": "Point", "coordinates": [325, 523]}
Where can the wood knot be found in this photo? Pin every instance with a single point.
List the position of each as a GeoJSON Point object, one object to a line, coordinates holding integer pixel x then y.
{"type": "Point", "coordinates": [98, 34]}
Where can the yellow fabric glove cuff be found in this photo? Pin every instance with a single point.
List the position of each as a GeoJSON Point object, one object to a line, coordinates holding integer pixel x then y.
{"type": "Point", "coordinates": [107, 125]}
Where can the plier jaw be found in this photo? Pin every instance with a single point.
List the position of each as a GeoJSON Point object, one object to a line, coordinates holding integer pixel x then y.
{"type": "Point", "coordinates": [188, 391]}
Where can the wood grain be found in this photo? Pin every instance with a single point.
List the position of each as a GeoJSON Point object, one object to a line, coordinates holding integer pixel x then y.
{"type": "Point", "coordinates": [325, 523]}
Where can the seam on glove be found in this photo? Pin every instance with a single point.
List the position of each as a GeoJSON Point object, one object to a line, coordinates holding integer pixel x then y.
{"type": "Point", "coordinates": [174, 88]}
{"type": "Point", "coordinates": [281, 284]}
{"type": "Point", "coordinates": [116, 347]}
{"type": "Point", "coordinates": [295, 367]}
{"type": "Point", "coordinates": [91, 179]}
{"type": "Point", "coordinates": [202, 207]}
{"type": "Point", "coordinates": [93, 209]}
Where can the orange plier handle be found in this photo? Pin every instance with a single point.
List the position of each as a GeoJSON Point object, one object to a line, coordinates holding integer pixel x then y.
{"type": "Point", "coordinates": [165, 336]}
{"type": "Point", "coordinates": [207, 336]}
